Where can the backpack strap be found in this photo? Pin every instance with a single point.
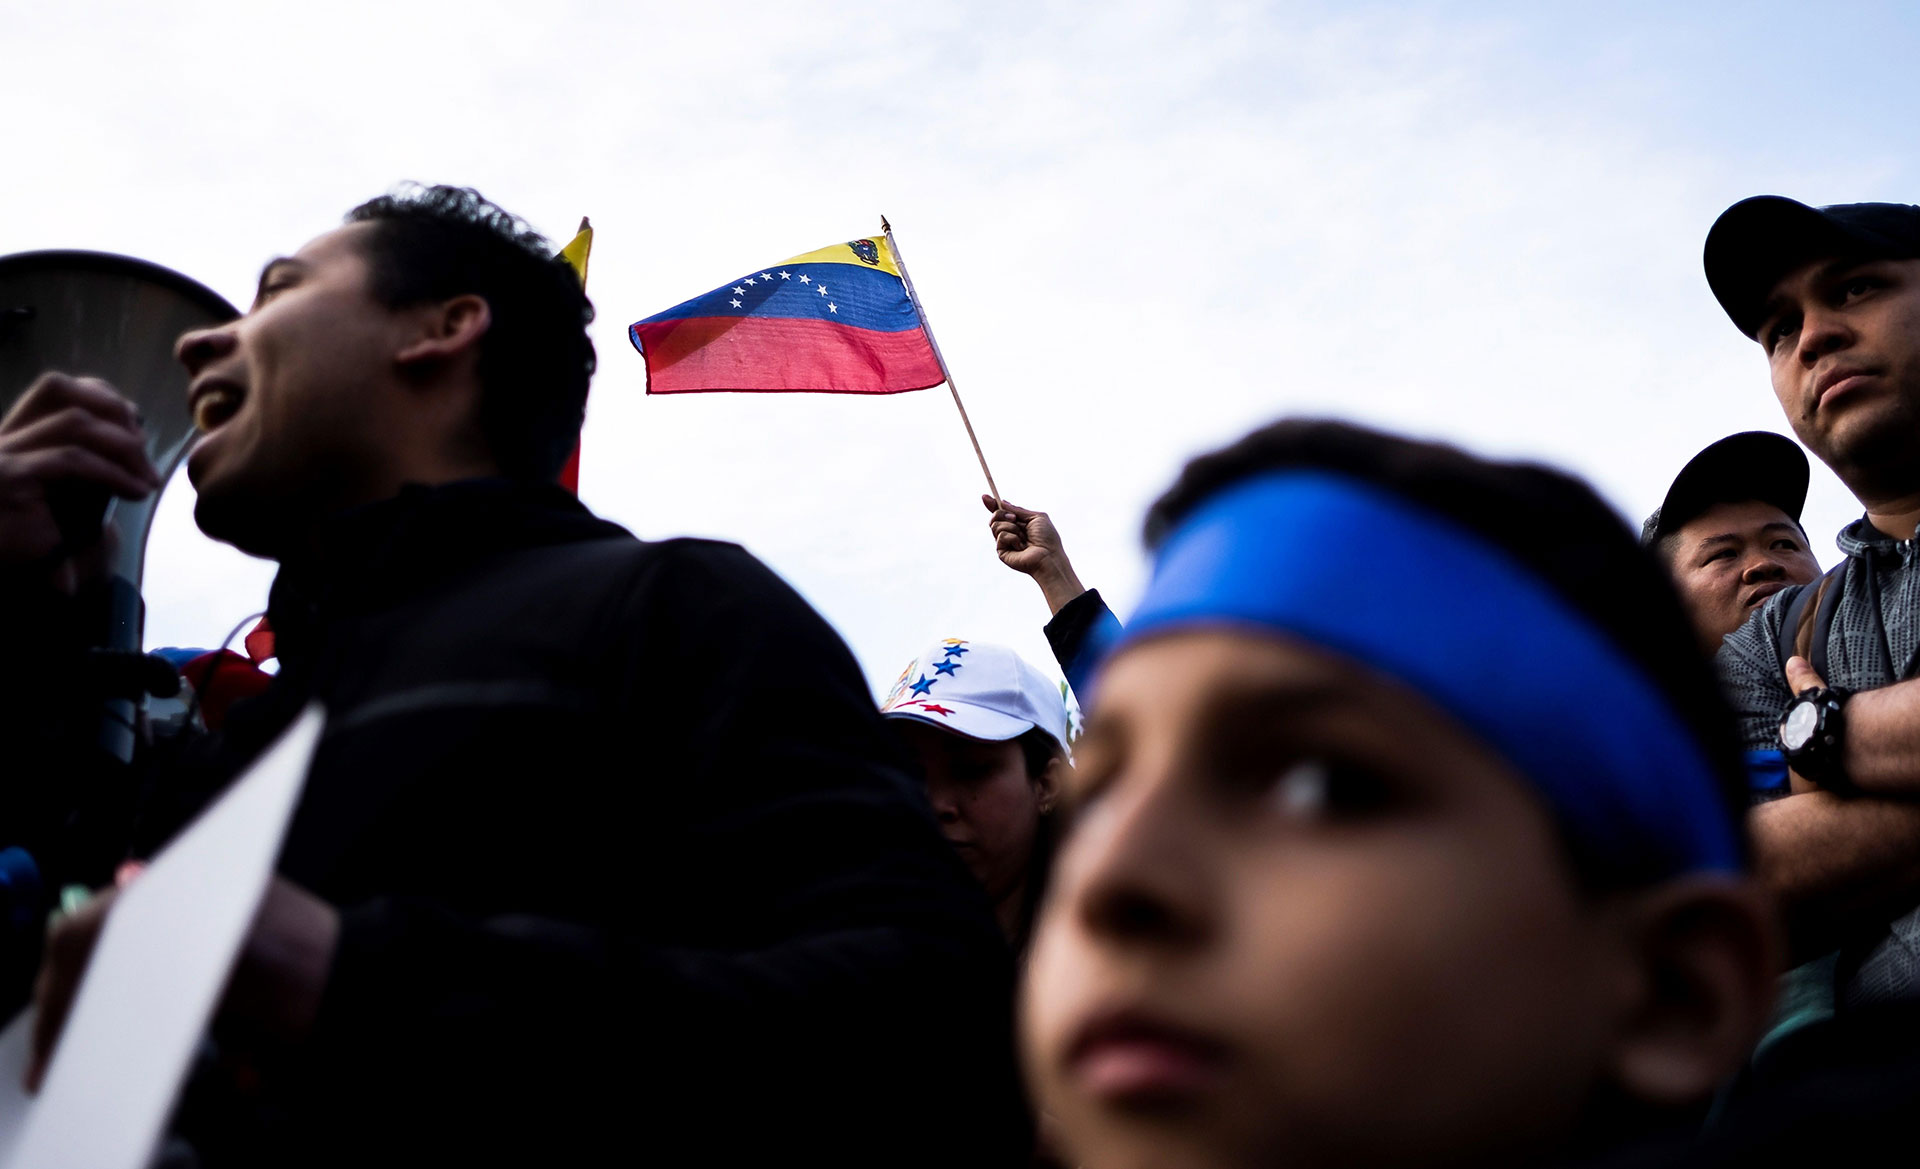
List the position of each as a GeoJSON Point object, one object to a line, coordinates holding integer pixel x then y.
{"type": "Point", "coordinates": [1828, 601]}
{"type": "Point", "coordinates": [1805, 626]}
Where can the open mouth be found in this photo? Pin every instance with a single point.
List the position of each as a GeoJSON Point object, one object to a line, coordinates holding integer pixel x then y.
{"type": "Point", "coordinates": [214, 405]}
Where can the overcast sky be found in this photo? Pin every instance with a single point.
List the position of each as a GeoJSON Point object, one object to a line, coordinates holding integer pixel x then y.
{"type": "Point", "coordinates": [1140, 229]}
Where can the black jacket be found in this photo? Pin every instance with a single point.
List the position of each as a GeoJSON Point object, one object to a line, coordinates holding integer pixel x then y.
{"type": "Point", "coordinates": [627, 864]}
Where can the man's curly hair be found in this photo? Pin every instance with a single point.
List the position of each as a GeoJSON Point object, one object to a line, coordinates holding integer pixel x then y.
{"type": "Point", "coordinates": [433, 243]}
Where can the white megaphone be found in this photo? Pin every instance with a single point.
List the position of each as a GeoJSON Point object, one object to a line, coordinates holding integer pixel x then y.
{"type": "Point", "coordinates": [93, 314]}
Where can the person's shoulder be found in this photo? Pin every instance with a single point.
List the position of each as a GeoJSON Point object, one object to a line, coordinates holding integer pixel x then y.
{"type": "Point", "coordinates": [615, 545]}
{"type": "Point", "coordinates": [718, 562]}
{"type": "Point", "coordinates": [707, 574]}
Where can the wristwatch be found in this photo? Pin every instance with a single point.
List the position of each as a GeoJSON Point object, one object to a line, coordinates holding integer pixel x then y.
{"type": "Point", "coordinates": [1813, 735]}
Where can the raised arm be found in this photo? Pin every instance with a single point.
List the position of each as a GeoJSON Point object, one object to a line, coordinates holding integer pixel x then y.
{"type": "Point", "coordinates": [1027, 542]}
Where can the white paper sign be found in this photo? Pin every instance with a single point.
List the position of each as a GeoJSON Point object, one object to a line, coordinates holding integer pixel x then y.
{"type": "Point", "coordinates": [150, 987]}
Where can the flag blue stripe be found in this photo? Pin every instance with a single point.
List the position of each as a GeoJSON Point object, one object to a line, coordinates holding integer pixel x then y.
{"type": "Point", "coordinates": [863, 297]}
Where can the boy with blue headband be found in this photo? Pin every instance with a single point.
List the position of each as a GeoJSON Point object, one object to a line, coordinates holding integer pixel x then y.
{"type": "Point", "coordinates": [1408, 831]}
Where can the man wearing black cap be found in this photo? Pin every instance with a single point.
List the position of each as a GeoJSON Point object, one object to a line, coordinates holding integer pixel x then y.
{"type": "Point", "coordinates": [1833, 297]}
{"type": "Point", "coordinates": [1729, 530]}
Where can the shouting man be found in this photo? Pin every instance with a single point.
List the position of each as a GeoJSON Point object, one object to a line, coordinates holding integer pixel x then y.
{"type": "Point", "coordinates": [605, 846]}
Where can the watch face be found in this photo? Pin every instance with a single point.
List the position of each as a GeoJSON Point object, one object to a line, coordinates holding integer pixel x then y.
{"type": "Point", "coordinates": [1796, 730]}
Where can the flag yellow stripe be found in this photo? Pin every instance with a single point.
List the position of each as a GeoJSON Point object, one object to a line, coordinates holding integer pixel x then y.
{"type": "Point", "coordinates": [844, 254]}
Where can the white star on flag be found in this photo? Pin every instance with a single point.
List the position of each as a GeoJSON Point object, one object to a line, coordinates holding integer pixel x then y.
{"type": "Point", "coordinates": [766, 275]}
{"type": "Point", "coordinates": [805, 280]}
{"type": "Point", "coordinates": [832, 307]}
{"type": "Point", "coordinates": [734, 303]}
{"type": "Point", "coordinates": [749, 280]}
{"type": "Point", "coordinates": [821, 289]}
{"type": "Point", "coordinates": [785, 276]}
{"type": "Point", "coordinates": [738, 291]}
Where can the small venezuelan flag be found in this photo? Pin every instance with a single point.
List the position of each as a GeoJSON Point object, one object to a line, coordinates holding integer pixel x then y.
{"type": "Point", "coordinates": [838, 320]}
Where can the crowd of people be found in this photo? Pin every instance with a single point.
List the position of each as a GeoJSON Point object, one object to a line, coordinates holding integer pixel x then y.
{"type": "Point", "coordinates": [1422, 813]}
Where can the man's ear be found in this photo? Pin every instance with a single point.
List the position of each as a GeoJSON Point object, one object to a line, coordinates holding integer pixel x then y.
{"type": "Point", "coordinates": [449, 330]}
{"type": "Point", "coordinates": [1708, 949]}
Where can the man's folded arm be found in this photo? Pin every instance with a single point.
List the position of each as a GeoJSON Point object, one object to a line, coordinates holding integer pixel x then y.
{"type": "Point", "coordinates": [1837, 866]}
{"type": "Point", "coordinates": [1883, 740]}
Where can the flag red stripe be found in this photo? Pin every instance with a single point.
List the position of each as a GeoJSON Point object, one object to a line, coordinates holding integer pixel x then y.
{"type": "Point", "coordinates": [780, 353]}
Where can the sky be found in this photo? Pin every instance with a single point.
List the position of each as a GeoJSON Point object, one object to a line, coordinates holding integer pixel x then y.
{"type": "Point", "coordinates": [1138, 229]}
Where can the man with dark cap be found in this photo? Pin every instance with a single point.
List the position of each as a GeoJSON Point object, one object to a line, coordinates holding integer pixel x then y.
{"type": "Point", "coordinates": [1824, 673]}
{"type": "Point", "coordinates": [1729, 530]}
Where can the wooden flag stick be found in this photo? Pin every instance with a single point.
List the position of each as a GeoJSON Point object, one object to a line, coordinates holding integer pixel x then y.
{"type": "Point", "coordinates": [946, 373]}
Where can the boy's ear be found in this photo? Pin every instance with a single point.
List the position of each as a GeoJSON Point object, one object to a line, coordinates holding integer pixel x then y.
{"type": "Point", "coordinates": [1708, 949]}
{"type": "Point", "coordinates": [448, 329]}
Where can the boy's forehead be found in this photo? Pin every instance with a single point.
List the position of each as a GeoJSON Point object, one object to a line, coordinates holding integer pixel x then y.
{"type": "Point", "coordinates": [1219, 666]}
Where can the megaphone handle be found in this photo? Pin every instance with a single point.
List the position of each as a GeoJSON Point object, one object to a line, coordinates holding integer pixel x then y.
{"type": "Point", "coordinates": [80, 512]}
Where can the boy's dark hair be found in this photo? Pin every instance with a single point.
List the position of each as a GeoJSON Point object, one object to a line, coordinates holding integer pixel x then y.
{"type": "Point", "coordinates": [1552, 524]}
{"type": "Point", "coordinates": [432, 243]}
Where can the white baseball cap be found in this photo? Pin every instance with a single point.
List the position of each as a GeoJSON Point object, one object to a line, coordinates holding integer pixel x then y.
{"type": "Point", "coordinates": [978, 690]}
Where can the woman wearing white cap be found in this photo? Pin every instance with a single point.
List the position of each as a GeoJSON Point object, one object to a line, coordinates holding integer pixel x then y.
{"type": "Point", "coordinates": [990, 731]}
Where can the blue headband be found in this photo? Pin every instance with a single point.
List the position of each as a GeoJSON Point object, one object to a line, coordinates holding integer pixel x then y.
{"type": "Point", "coordinates": [1355, 569]}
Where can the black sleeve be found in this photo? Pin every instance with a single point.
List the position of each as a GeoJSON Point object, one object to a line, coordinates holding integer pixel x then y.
{"type": "Point", "coordinates": [1081, 633]}
{"type": "Point", "coordinates": [851, 997]}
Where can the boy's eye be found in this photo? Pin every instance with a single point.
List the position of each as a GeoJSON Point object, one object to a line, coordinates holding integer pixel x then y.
{"type": "Point", "coordinates": [1722, 554]}
{"type": "Point", "coordinates": [1301, 789]}
{"type": "Point", "coordinates": [1316, 789]}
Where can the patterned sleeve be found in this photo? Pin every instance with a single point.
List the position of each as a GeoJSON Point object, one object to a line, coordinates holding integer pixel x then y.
{"type": "Point", "coordinates": [1751, 677]}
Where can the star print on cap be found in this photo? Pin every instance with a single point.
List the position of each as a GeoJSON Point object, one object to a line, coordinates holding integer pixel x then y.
{"type": "Point", "coordinates": [978, 690]}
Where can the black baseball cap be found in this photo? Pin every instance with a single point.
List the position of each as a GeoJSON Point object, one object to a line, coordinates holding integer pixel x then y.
{"type": "Point", "coordinates": [1755, 464]}
{"type": "Point", "coordinates": [1757, 241]}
